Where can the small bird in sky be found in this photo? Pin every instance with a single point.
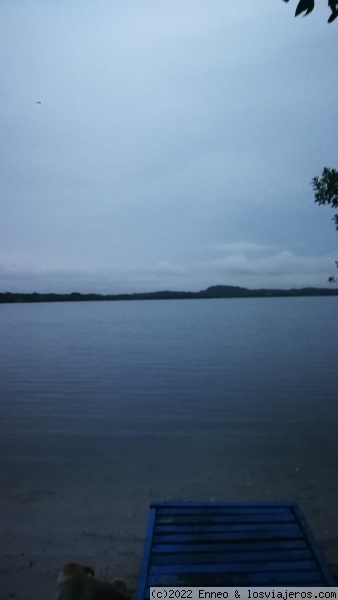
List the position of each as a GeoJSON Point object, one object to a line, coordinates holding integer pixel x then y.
{"type": "Point", "coordinates": [39, 102]}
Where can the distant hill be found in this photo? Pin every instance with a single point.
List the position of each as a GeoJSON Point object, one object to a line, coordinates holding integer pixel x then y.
{"type": "Point", "coordinates": [215, 291]}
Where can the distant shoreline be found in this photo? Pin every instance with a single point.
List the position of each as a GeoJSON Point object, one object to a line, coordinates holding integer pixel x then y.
{"type": "Point", "coordinates": [215, 291]}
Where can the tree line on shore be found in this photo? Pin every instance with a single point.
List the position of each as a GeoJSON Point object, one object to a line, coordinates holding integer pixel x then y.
{"type": "Point", "coordinates": [215, 291]}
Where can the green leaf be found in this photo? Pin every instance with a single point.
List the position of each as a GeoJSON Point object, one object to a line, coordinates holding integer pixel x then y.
{"type": "Point", "coordinates": [306, 6]}
{"type": "Point", "coordinates": [332, 17]}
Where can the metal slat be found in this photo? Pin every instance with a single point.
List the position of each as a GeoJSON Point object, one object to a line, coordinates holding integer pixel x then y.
{"type": "Point", "coordinates": [230, 557]}
{"type": "Point", "coordinates": [221, 510]}
{"type": "Point", "coordinates": [253, 545]}
{"type": "Point", "coordinates": [228, 544]}
{"type": "Point", "coordinates": [292, 532]}
{"type": "Point", "coordinates": [228, 528]}
{"type": "Point", "coordinates": [188, 505]}
{"type": "Point", "coordinates": [285, 517]}
{"type": "Point", "coordinates": [232, 579]}
{"type": "Point", "coordinates": [302, 565]}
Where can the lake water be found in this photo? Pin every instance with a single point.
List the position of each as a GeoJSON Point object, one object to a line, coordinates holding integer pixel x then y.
{"type": "Point", "coordinates": [198, 399]}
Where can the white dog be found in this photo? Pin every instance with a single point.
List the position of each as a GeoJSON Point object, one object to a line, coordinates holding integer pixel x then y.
{"type": "Point", "coordinates": [77, 582]}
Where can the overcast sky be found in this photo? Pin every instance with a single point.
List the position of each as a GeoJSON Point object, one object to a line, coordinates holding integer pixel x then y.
{"type": "Point", "coordinates": [165, 144]}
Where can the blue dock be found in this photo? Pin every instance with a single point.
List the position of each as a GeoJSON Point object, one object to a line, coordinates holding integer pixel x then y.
{"type": "Point", "coordinates": [230, 544]}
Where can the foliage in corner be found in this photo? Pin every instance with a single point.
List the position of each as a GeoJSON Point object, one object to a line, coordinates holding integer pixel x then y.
{"type": "Point", "coordinates": [326, 189]}
{"type": "Point", "coordinates": [307, 6]}
{"type": "Point", "coordinates": [326, 192]}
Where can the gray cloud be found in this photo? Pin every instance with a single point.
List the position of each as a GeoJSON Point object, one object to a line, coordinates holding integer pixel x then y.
{"type": "Point", "coordinates": [247, 265]}
{"type": "Point", "coordinates": [165, 131]}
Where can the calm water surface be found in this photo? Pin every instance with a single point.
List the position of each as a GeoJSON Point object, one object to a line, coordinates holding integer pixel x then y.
{"type": "Point", "coordinates": [194, 385]}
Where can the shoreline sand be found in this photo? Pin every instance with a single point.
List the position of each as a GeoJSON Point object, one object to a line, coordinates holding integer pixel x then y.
{"type": "Point", "coordinates": [90, 518]}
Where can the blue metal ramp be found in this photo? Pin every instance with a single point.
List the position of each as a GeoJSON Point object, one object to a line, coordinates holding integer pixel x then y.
{"type": "Point", "coordinates": [230, 544]}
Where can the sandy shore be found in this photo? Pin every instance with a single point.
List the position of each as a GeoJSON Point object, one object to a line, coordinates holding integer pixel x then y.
{"type": "Point", "coordinates": [93, 507]}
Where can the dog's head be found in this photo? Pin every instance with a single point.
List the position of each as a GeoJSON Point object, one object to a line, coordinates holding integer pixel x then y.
{"type": "Point", "coordinates": [74, 571]}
